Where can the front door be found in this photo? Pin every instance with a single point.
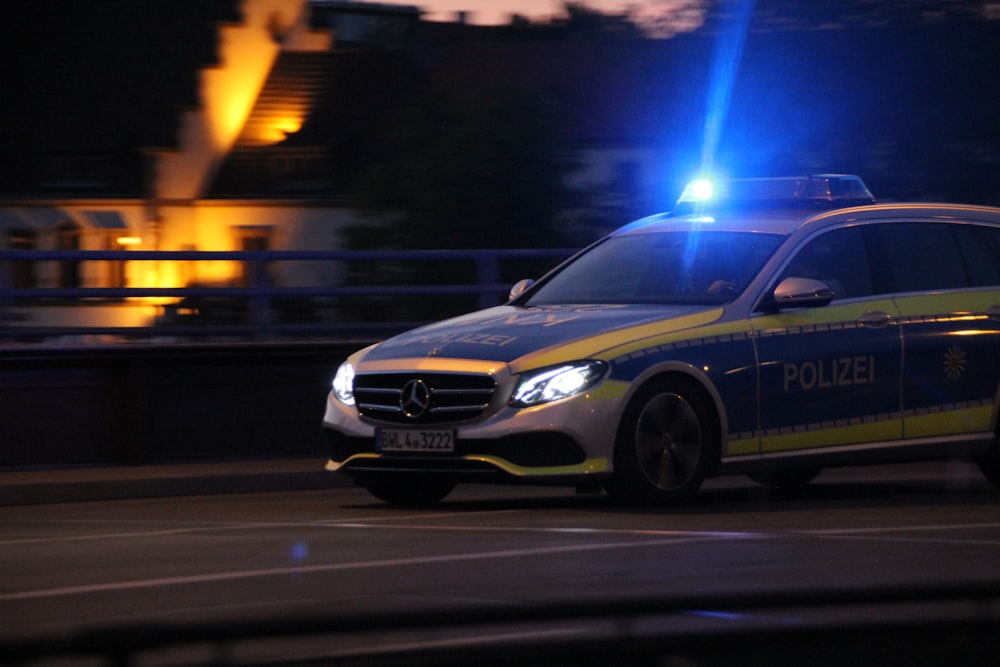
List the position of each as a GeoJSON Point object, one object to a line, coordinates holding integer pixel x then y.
{"type": "Point", "coordinates": [830, 375]}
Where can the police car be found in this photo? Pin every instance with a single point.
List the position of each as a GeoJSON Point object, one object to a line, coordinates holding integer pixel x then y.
{"type": "Point", "coordinates": [773, 328]}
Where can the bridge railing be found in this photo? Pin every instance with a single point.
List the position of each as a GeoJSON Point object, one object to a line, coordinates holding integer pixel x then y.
{"type": "Point", "coordinates": [364, 294]}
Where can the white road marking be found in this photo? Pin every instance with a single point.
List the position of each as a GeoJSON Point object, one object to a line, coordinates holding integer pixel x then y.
{"type": "Point", "coordinates": [885, 533]}
{"type": "Point", "coordinates": [662, 538]}
{"type": "Point", "coordinates": [508, 638]}
{"type": "Point", "coordinates": [366, 523]}
{"type": "Point", "coordinates": [123, 535]}
{"type": "Point", "coordinates": [900, 529]}
{"type": "Point", "coordinates": [677, 538]}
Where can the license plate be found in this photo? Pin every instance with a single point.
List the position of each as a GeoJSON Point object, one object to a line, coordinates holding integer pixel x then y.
{"type": "Point", "coordinates": [390, 440]}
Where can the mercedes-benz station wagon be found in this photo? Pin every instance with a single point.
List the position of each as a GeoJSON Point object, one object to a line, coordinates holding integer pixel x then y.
{"type": "Point", "coordinates": [785, 326]}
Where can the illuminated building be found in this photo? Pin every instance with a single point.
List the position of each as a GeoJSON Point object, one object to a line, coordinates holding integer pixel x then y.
{"type": "Point", "coordinates": [253, 90]}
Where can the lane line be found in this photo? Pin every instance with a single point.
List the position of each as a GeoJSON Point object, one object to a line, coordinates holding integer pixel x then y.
{"type": "Point", "coordinates": [899, 529]}
{"type": "Point", "coordinates": [885, 534]}
{"type": "Point", "coordinates": [367, 524]}
{"type": "Point", "coordinates": [556, 530]}
{"type": "Point", "coordinates": [356, 565]}
{"type": "Point", "coordinates": [198, 527]}
{"type": "Point", "coordinates": [671, 537]}
{"type": "Point", "coordinates": [118, 536]}
{"type": "Point", "coordinates": [434, 515]}
{"type": "Point", "coordinates": [479, 639]}
{"type": "Point", "coordinates": [364, 524]}
{"type": "Point", "coordinates": [912, 540]}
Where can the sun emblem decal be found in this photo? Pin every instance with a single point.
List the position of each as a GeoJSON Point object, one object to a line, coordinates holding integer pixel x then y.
{"type": "Point", "coordinates": [954, 363]}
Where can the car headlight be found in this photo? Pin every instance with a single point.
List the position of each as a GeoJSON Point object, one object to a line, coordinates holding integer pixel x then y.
{"type": "Point", "coordinates": [555, 382]}
{"type": "Point", "coordinates": [343, 384]}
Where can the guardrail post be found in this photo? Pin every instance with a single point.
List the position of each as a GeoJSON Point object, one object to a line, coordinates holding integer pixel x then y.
{"type": "Point", "coordinates": [260, 310]}
{"type": "Point", "coordinates": [5, 272]}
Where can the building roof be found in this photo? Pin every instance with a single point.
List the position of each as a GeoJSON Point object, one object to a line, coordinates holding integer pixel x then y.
{"type": "Point", "coordinates": [337, 106]}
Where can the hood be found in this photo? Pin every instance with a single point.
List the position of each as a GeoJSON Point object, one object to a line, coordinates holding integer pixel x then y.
{"type": "Point", "coordinates": [507, 333]}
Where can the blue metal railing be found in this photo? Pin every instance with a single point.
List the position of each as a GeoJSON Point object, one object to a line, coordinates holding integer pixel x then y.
{"type": "Point", "coordinates": [482, 285]}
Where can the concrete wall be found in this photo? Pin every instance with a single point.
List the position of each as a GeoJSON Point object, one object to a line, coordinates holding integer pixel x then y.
{"type": "Point", "coordinates": [79, 406]}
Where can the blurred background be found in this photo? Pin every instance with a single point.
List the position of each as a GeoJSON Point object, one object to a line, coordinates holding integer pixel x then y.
{"type": "Point", "coordinates": [159, 136]}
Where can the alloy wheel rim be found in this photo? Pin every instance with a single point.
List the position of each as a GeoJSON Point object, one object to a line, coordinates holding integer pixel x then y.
{"type": "Point", "coordinates": [668, 441]}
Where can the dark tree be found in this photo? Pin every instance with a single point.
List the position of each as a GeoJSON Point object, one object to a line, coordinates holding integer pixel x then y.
{"type": "Point", "coordinates": [479, 169]}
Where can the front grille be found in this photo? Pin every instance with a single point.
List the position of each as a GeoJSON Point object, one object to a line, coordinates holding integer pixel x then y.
{"type": "Point", "coordinates": [422, 398]}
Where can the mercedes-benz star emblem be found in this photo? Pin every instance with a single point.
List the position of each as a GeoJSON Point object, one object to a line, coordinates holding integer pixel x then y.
{"type": "Point", "coordinates": [415, 398]}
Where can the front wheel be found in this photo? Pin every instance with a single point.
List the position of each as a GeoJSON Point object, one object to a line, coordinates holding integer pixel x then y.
{"type": "Point", "coordinates": [399, 490]}
{"type": "Point", "coordinates": [665, 444]}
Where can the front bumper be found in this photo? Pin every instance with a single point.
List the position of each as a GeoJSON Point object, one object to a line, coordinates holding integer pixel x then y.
{"type": "Point", "coordinates": [568, 442]}
{"type": "Point", "coordinates": [538, 458]}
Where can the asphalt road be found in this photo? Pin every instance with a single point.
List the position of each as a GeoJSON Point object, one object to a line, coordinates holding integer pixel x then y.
{"type": "Point", "coordinates": [195, 560]}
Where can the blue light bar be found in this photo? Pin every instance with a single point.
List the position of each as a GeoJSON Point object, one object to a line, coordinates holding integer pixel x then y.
{"type": "Point", "coordinates": [699, 190]}
{"type": "Point", "coordinates": [818, 191]}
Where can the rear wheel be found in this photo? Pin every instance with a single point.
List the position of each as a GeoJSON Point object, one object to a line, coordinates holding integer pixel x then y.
{"type": "Point", "coordinates": [399, 490]}
{"type": "Point", "coordinates": [665, 444]}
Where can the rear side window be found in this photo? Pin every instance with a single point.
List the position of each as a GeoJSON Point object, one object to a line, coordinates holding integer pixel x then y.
{"type": "Point", "coordinates": [980, 246]}
{"type": "Point", "coordinates": [922, 257]}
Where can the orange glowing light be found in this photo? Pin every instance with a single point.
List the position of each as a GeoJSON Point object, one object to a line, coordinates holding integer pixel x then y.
{"type": "Point", "coordinates": [272, 130]}
{"type": "Point", "coordinates": [288, 125]}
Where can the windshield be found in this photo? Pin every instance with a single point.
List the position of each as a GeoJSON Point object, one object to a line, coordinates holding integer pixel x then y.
{"type": "Point", "coordinates": [661, 268]}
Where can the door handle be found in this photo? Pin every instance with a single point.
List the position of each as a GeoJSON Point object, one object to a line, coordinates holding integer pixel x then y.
{"type": "Point", "coordinates": [875, 319]}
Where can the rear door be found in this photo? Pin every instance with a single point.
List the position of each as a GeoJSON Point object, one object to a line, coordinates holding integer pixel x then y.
{"type": "Point", "coordinates": [946, 279]}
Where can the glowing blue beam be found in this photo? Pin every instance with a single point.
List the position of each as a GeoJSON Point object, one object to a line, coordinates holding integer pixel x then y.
{"type": "Point", "coordinates": [726, 62]}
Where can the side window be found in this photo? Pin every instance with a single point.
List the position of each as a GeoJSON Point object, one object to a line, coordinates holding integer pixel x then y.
{"type": "Point", "coordinates": [921, 256]}
{"type": "Point", "coordinates": [839, 258]}
{"type": "Point", "coordinates": [980, 246]}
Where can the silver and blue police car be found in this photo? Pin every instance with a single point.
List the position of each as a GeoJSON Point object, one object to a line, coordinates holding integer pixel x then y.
{"type": "Point", "coordinates": [792, 326]}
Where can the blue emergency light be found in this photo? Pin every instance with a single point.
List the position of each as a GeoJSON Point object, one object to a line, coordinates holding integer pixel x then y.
{"type": "Point", "coordinates": [818, 191]}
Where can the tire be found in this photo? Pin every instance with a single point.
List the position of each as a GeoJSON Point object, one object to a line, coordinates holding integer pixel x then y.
{"type": "Point", "coordinates": [783, 479]}
{"type": "Point", "coordinates": [398, 490]}
{"type": "Point", "coordinates": [665, 445]}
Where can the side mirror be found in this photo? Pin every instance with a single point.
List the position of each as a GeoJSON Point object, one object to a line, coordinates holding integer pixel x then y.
{"type": "Point", "coordinates": [801, 293]}
{"type": "Point", "coordinates": [519, 288]}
